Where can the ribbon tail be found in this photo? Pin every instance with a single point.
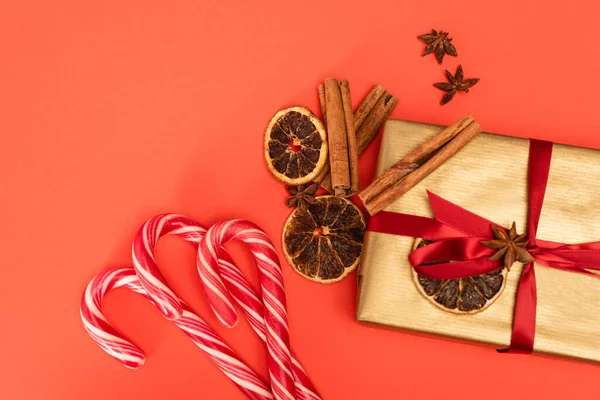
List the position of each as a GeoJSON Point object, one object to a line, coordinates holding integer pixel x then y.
{"type": "Point", "coordinates": [523, 331]}
{"type": "Point", "coordinates": [470, 224]}
{"type": "Point", "coordinates": [411, 225]}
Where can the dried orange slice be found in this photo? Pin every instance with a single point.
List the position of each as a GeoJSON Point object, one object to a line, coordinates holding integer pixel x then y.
{"type": "Point", "coordinates": [324, 240]}
{"type": "Point", "coordinates": [464, 295]}
{"type": "Point", "coordinates": [295, 145]}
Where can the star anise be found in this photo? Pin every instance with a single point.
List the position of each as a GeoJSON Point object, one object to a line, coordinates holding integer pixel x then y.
{"type": "Point", "coordinates": [456, 83]}
{"type": "Point", "coordinates": [510, 246]}
{"type": "Point", "coordinates": [438, 42]}
{"type": "Point", "coordinates": [301, 196]}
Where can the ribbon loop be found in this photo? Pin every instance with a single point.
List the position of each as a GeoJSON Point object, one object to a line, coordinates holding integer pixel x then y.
{"type": "Point", "coordinates": [460, 249]}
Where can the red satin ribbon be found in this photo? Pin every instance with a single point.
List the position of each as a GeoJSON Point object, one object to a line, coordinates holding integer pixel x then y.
{"type": "Point", "coordinates": [457, 235]}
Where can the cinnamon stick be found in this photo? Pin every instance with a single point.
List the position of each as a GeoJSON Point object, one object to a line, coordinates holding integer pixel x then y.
{"type": "Point", "coordinates": [375, 119]}
{"type": "Point", "coordinates": [339, 121]}
{"type": "Point", "coordinates": [418, 164]}
{"type": "Point", "coordinates": [367, 105]}
{"type": "Point", "coordinates": [325, 171]}
{"type": "Point", "coordinates": [321, 90]}
{"type": "Point", "coordinates": [374, 110]}
{"type": "Point", "coordinates": [351, 139]}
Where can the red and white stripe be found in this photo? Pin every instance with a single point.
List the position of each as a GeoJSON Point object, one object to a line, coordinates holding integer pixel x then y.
{"type": "Point", "coordinates": [198, 331]}
{"type": "Point", "coordinates": [252, 307]}
{"type": "Point", "coordinates": [145, 265]}
{"type": "Point", "coordinates": [222, 281]}
{"type": "Point", "coordinates": [287, 380]}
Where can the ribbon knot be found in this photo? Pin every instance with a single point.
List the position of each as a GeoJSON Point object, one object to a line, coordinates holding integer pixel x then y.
{"type": "Point", "coordinates": [457, 250]}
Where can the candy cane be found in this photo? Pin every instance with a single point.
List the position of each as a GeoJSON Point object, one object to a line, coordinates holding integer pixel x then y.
{"type": "Point", "coordinates": [273, 296]}
{"type": "Point", "coordinates": [132, 356]}
{"type": "Point", "coordinates": [219, 296]}
{"type": "Point", "coordinates": [253, 309]}
{"type": "Point", "coordinates": [145, 265]}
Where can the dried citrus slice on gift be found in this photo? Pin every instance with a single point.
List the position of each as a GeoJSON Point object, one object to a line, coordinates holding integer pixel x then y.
{"type": "Point", "coordinates": [295, 145]}
{"type": "Point", "coordinates": [323, 241]}
{"type": "Point", "coordinates": [464, 295]}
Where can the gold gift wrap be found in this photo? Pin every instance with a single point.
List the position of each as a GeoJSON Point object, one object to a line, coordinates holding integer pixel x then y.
{"type": "Point", "coordinates": [489, 178]}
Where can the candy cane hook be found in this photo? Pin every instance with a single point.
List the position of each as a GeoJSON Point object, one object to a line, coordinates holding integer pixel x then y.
{"type": "Point", "coordinates": [193, 326]}
{"type": "Point", "coordinates": [273, 295]}
{"type": "Point", "coordinates": [253, 309]}
{"type": "Point", "coordinates": [147, 270]}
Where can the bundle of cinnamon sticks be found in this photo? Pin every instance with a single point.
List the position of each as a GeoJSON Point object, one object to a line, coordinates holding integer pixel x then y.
{"type": "Point", "coordinates": [418, 164]}
{"type": "Point", "coordinates": [349, 134]}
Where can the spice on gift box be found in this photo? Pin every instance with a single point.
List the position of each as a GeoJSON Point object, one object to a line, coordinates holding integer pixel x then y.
{"type": "Point", "coordinates": [487, 184]}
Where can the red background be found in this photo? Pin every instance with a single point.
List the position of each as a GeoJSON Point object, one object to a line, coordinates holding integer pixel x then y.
{"type": "Point", "coordinates": [113, 111]}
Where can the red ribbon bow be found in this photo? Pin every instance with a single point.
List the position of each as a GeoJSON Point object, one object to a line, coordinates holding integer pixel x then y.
{"type": "Point", "coordinates": [458, 233]}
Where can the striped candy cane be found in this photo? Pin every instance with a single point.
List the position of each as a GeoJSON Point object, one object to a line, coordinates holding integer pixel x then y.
{"type": "Point", "coordinates": [220, 296]}
{"type": "Point", "coordinates": [273, 295]}
{"type": "Point", "coordinates": [145, 265]}
{"type": "Point", "coordinates": [253, 309]}
{"type": "Point", "coordinates": [193, 326]}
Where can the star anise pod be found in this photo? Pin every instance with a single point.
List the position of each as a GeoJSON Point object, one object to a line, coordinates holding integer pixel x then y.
{"type": "Point", "coordinates": [301, 196]}
{"type": "Point", "coordinates": [438, 43]}
{"type": "Point", "coordinates": [456, 83]}
{"type": "Point", "coordinates": [510, 246]}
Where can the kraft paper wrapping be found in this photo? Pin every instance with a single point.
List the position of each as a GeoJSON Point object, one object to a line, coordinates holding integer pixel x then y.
{"type": "Point", "coordinates": [489, 178]}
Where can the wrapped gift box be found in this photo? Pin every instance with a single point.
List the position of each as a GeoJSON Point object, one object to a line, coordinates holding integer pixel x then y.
{"type": "Point", "coordinates": [489, 178]}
